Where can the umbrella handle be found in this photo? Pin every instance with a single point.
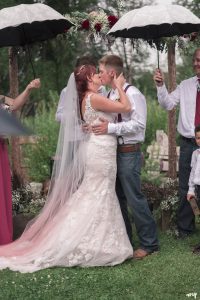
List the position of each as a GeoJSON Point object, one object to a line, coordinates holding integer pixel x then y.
{"type": "Point", "coordinates": [30, 59]}
{"type": "Point", "coordinates": [29, 53]}
{"type": "Point", "coordinates": [158, 58]}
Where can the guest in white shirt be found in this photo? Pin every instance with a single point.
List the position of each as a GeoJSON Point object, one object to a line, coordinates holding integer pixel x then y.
{"type": "Point", "coordinates": [130, 132]}
{"type": "Point", "coordinates": [194, 180]}
{"type": "Point", "coordinates": [187, 95]}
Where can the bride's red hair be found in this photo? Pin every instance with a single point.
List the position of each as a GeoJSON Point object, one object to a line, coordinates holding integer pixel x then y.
{"type": "Point", "coordinates": [82, 74]}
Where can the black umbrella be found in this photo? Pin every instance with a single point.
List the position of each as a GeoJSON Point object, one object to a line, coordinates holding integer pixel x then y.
{"type": "Point", "coordinates": [25, 24]}
{"type": "Point", "coordinates": [154, 22]}
{"type": "Point", "coordinates": [11, 126]}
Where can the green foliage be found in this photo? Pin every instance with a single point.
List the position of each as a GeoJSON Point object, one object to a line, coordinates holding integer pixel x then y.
{"type": "Point", "coordinates": [37, 157]}
{"type": "Point", "coordinates": [144, 82]}
{"type": "Point", "coordinates": [26, 202]}
{"type": "Point", "coordinates": [168, 203]}
{"type": "Point", "coordinates": [156, 119]}
{"type": "Point", "coordinates": [193, 5]}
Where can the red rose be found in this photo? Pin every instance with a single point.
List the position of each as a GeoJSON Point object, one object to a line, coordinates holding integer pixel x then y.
{"type": "Point", "coordinates": [85, 25]}
{"type": "Point", "coordinates": [112, 20]}
{"type": "Point", "coordinates": [98, 27]}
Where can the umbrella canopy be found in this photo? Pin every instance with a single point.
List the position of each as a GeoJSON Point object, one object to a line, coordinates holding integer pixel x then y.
{"type": "Point", "coordinates": [156, 21]}
{"type": "Point", "coordinates": [10, 126]}
{"type": "Point", "coordinates": [28, 23]}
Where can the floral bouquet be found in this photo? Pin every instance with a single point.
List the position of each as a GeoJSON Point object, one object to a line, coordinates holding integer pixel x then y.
{"type": "Point", "coordinates": [95, 23]}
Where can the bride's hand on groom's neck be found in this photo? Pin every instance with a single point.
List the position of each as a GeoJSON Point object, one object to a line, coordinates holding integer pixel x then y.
{"type": "Point", "coordinates": [119, 81]}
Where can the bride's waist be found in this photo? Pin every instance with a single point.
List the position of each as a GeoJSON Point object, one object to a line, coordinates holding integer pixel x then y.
{"type": "Point", "coordinates": [104, 138]}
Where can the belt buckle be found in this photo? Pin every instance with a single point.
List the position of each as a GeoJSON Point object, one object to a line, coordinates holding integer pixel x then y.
{"type": "Point", "coordinates": [120, 140]}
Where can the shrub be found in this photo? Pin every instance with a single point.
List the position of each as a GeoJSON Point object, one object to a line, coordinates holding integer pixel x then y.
{"type": "Point", "coordinates": [37, 157]}
{"type": "Point", "coordinates": [25, 201]}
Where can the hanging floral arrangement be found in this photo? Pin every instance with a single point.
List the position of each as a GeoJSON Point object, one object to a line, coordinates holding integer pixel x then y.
{"type": "Point", "coordinates": [183, 42]}
{"type": "Point", "coordinates": [96, 24]}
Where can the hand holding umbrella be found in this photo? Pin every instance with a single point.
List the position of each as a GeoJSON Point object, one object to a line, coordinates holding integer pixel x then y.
{"type": "Point", "coordinates": [158, 77]}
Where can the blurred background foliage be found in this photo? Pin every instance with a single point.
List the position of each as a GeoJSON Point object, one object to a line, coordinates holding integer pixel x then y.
{"type": "Point", "coordinates": [55, 59]}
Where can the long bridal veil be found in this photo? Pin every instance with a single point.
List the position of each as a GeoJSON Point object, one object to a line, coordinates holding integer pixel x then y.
{"type": "Point", "coordinates": [67, 175]}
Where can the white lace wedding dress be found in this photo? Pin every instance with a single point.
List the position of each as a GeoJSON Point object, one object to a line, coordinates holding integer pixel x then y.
{"type": "Point", "coordinates": [90, 230]}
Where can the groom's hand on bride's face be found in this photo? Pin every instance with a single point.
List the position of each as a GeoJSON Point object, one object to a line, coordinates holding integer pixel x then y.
{"type": "Point", "coordinates": [101, 128]}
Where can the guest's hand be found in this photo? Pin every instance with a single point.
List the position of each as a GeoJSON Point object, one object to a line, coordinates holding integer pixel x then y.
{"type": "Point", "coordinates": [119, 81]}
{"type": "Point", "coordinates": [100, 128]}
{"type": "Point", "coordinates": [34, 84]}
{"type": "Point", "coordinates": [190, 196]}
{"type": "Point", "coordinates": [158, 77]}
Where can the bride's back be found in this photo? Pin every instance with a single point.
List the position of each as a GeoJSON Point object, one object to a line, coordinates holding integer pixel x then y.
{"type": "Point", "coordinates": [91, 116]}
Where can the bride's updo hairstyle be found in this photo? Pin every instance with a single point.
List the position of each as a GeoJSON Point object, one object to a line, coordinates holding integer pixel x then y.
{"type": "Point", "coordinates": [82, 74]}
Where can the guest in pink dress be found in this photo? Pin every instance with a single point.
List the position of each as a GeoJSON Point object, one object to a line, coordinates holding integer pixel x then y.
{"type": "Point", "coordinates": [6, 227]}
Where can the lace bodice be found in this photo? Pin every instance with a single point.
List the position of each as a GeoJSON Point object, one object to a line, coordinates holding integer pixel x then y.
{"type": "Point", "coordinates": [91, 116]}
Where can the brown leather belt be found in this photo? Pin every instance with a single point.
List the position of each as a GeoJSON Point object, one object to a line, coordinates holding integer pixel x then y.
{"type": "Point", "coordinates": [129, 148]}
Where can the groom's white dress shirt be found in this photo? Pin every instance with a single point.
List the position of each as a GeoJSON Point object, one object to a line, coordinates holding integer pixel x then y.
{"type": "Point", "coordinates": [133, 125]}
{"type": "Point", "coordinates": [185, 95]}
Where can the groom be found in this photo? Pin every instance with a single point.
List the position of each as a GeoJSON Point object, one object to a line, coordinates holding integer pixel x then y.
{"type": "Point", "coordinates": [130, 132]}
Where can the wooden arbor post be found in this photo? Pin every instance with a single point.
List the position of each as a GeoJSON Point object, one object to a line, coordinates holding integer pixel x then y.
{"type": "Point", "coordinates": [172, 114]}
{"type": "Point", "coordinates": [19, 176]}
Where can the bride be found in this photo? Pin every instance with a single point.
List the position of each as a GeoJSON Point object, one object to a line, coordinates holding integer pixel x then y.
{"type": "Point", "coordinates": [81, 223]}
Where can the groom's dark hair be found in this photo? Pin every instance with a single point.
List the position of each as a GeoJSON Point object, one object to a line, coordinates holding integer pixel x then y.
{"type": "Point", "coordinates": [112, 61]}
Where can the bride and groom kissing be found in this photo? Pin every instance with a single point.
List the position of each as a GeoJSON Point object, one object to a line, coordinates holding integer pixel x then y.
{"type": "Point", "coordinates": [96, 180]}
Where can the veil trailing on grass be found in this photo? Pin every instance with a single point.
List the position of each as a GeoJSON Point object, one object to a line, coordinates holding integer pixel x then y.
{"type": "Point", "coordinates": [66, 177]}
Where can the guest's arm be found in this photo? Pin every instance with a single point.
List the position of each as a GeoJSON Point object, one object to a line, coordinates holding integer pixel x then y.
{"type": "Point", "coordinates": [167, 100]}
{"type": "Point", "coordinates": [18, 102]}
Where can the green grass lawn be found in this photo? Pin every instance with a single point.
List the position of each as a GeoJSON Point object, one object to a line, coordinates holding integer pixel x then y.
{"type": "Point", "coordinates": [171, 274]}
